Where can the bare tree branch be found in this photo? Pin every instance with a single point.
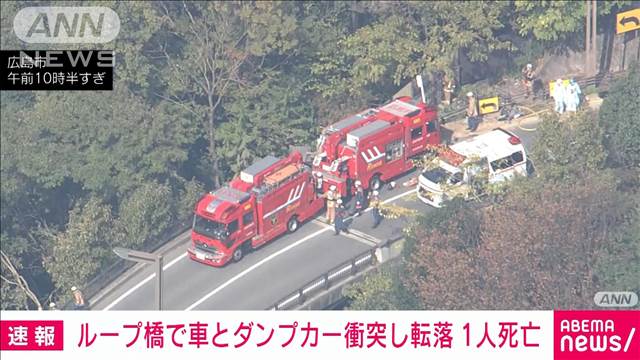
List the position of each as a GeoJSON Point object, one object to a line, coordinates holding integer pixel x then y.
{"type": "Point", "coordinates": [179, 103]}
{"type": "Point", "coordinates": [7, 280]}
{"type": "Point", "coordinates": [20, 282]}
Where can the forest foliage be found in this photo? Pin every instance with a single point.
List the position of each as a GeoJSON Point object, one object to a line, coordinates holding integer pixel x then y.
{"type": "Point", "coordinates": [202, 89]}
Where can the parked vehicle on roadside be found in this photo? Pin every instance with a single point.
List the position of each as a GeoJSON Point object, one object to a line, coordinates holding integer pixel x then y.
{"type": "Point", "coordinates": [269, 198]}
{"type": "Point", "coordinates": [375, 145]}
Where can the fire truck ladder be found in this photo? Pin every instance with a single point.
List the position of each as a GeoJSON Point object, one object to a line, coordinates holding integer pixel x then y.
{"type": "Point", "coordinates": [268, 188]}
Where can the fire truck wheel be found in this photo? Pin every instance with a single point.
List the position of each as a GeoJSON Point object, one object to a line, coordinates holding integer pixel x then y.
{"type": "Point", "coordinates": [292, 225]}
{"type": "Point", "coordinates": [238, 253]}
{"type": "Point", "coordinates": [375, 183]}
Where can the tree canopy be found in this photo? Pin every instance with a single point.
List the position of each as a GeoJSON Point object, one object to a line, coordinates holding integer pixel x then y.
{"type": "Point", "coordinates": [620, 118]}
{"type": "Point", "coordinates": [203, 88]}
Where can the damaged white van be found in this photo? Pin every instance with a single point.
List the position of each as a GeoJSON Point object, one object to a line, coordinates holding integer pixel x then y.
{"type": "Point", "coordinates": [497, 155]}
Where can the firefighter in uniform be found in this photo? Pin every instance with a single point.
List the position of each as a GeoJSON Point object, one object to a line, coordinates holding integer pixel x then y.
{"type": "Point", "coordinates": [332, 199]}
{"type": "Point", "coordinates": [319, 182]}
{"type": "Point", "coordinates": [78, 299]}
{"type": "Point", "coordinates": [341, 214]}
{"type": "Point", "coordinates": [359, 198]}
{"type": "Point", "coordinates": [448, 85]}
{"type": "Point", "coordinates": [527, 78]}
{"type": "Point", "coordinates": [472, 112]}
{"type": "Point", "coordinates": [375, 209]}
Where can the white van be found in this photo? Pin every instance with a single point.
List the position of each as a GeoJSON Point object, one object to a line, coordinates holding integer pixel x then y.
{"type": "Point", "coordinates": [499, 152]}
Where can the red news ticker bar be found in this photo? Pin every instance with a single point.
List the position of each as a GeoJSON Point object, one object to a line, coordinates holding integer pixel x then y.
{"type": "Point", "coordinates": [31, 335]}
{"type": "Point", "coordinates": [596, 335]}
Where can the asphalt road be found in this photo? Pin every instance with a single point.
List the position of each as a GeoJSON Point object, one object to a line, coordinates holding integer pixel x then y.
{"type": "Point", "coordinates": [266, 275]}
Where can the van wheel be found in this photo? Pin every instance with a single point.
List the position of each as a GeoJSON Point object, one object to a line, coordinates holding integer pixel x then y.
{"type": "Point", "coordinates": [375, 183]}
{"type": "Point", "coordinates": [238, 253]}
{"type": "Point", "coordinates": [293, 224]}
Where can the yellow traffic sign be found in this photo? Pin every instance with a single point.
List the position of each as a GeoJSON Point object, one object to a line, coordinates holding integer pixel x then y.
{"type": "Point", "coordinates": [489, 105]}
{"type": "Point", "coordinates": [628, 21]}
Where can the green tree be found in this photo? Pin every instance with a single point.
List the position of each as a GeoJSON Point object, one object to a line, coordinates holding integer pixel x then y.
{"type": "Point", "coordinates": [145, 214]}
{"type": "Point", "coordinates": [374, 54]}
{"type": "Point", "coordinates": [471, 27]}
{"type": "Point", "coordinates": [264, 119]}
{"type": "Point", "coordinates": [8, 11]}
{"type": "Point", "coordinates": [555, 21]}
{"type": "Point", "coordinates": [382, 289]}
{"type": "Point", "coordinates": [15, 291]}
{"type": "Point", "coordinates": [323, 25]}
{"type": "Point", "coordinates": [140, 24]}
{"type": "Point", "coordinates": [405, 39]}
{"type": "Point", "coordinates": [620, 118]}
{"type": "Point", "coordinates": [84, 247]}
{"type": "Point", "coordinates": [12, 106]}
{"type": "Point", "coordinates": [375, 292]}
{"type": "Point", "coordinates": [549, 20]}
{"type": "Point", "coordinates": [619, 266]}
{"type": "Point", "coordinates": [24, 206]}
{"type": "Point", "coordinates": [569, 148]}
{"type": "Point", "coordinates": [192, 191]}
{"type": "Point", "coordinates": [212, 48]}
{"type": "Point", "coordinates": [107, 142]}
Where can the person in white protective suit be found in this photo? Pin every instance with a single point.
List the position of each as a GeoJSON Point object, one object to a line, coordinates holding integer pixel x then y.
{"type": "Point", "coordinates": [559, 91]}
{"type": "Point", "coordinates": [572, 96]}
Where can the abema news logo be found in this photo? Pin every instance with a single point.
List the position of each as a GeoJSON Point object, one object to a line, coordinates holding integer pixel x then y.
{"type": "Point", "coordinates": [596, 335]}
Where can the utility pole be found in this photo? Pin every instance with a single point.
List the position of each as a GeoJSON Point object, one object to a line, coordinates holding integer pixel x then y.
{"type": "Point", "coordinates": [587, 39]}
{"type": "Point", "coordinates": [591, 38]}
{"type": "Point", "coordinates": [594, 38]}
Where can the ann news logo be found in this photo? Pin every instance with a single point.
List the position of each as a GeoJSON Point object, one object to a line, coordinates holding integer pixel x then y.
{"type": "Point", "coordinates": [616, 299]}
{"type": "Point", "coordinates": [66, 24]}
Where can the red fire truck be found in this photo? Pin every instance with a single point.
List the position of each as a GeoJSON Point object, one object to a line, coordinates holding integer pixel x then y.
{"type": "Point", "coordinates": [375, 145]}
{"type": "Point", "coordinates": [267, 199]}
